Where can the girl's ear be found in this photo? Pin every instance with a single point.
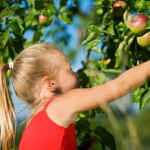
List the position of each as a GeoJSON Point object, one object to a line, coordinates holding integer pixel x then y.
{"type": "Point", "coordinates": [48, 84]}
{"type": "Point", "coordinates": [51, 83]}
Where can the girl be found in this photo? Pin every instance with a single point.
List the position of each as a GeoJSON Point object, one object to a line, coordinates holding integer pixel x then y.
{"type": "Point", "coordinates": [43, 78]}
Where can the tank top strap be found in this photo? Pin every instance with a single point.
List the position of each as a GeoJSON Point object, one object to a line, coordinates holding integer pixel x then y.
{"type": "Point", "coordinates": [49, 101]}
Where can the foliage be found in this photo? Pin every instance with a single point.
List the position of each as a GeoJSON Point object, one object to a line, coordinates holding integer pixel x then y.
{"type": "Point", "coordinates": [107, 36]}
{"type": "Point", "coordinates": [111, 37]}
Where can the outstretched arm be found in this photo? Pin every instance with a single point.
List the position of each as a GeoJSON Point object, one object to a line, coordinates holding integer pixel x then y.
{"type": "Point", "coordinates": [84, 99]}
{"type": "Point", "coordinates": [78, 100]}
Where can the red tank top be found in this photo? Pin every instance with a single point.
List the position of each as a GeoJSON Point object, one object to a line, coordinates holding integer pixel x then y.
{"type": "Point", "coordinates": [44, 134]}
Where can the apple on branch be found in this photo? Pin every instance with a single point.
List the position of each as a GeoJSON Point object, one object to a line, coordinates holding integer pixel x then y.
{"type": "Point", "coordinates": [42, 19]}
{"type": "Point", "coordinates": [144, 40]}
{"type": "Point", "coordinates": [137, 24]}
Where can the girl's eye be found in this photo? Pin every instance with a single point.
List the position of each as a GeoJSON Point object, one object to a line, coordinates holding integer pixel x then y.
{"type": "Point", "coordinates": [71, 69]}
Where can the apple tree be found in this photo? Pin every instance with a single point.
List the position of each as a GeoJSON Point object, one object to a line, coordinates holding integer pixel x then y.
{"type": "Point", "coordinates": [121, 38]}
{"type": "Point", "coordinates": [117, 38]}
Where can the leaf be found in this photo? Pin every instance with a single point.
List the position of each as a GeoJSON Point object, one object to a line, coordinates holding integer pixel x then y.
{"type": "Point", "coordinates": [142, 5]}
{"type": "Point", "coordinates": [137, 94]}
{"type": "Point", "coordinates": [127, 16]}
{"type": "Point", "coordinates": [37, 35]}
{"type": "Point", "coordinates": [111, 30]}
{"type": "Point", "coordinates": [129, 42]}
{"type": "Point", "coordinates": [92, 44]}
{"type": "Point", "coordinates": [97, 79]}
{"type": "Point", "coordinates": [144, 101]}
{"type": "Point", "coordinates": [120, 53]}
{"type": "Point", "coordinates": [88, 38]}
{"type": "Point", "coordinates": [98, 2]}
{"type": "Point", "coordinates": [106, 18]}
{"type": "Point", "coordinates": [98, 146]}
{"type": "Point", "coordinates": [92, 31]}
{"type": "Point", "coordinates": [4, 39]}
{"type": "Point", "coordinates": [106, 137]}
{"type": "Point", "coordinates": [95, 28]}
{"type": "Point", "coordinates": [16, 25]}
{"type": "Point", "coordinates": [15, 7]}
{"type": "Point", "coordinates": [65, 18]}
{"type": "Point", "coordinates": [6, 12]}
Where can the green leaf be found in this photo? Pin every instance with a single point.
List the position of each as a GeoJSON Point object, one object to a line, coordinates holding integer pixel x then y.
{"type": "Point", "coordinates": [65, 18]}
{"type": "Point", "coordinates": [37, 35]}
{"type": "Point", "coordinates": [16, 25]}
{"type": "Point", "coordinates": [127, 16]}
{"type": "Point", "coordinates": [88, 38]}
{"type": "Point", "coordinates": [6, 12]}
{"type": "Point", "coordinates": [142, 5]}
{"type": "Point", "coordinates": [97, 146]}
{"type": "Point", "coordinates": [120, 53]}
{"type": "Point", "coordinates": [97, 78]}
{"type": "Point", "coordinates": [51, 8]}
{"type": "Point", "coordinates": [137, 94]}
{"type": "Point", "coordinates": [15, 7]}
{"type": "Point", "coordinates": [98, 2]}
{"type": "Point", "coordinates": [106, 18]}
{"type": "Point", "coordinates": [106, 137]}
{"type": "Point", "coordinates": [4, 39]}
{"type": "Point", "coordinates": [95, 28]}
{"type": "Point", "coordinates": [93, 43]}
{"type": "Point", "coordinates": [111, 30]}
{"type": "Point", "coordinates": [144, 101]}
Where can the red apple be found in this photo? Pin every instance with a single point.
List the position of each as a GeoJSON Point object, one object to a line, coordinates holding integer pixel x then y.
{"type": "Point", "coordinates": [118, 8]}
{"type": "Point", "coordinates": [42, 19]}
{"type": "Point", "coordinates": [120, 3]}
{"type": "Point", "coordinates": [138, 23]}
{"type": "Point", "coordinates": [144, 40]}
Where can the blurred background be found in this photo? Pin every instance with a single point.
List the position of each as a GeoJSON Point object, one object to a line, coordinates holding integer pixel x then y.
{"type": "Point", "coordinates": [90, 33]}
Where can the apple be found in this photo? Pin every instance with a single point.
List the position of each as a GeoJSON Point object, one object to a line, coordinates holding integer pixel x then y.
{"type": "Point", "coordinates": [138, 23]}
{"type": "Point", "coordinates": [144, 40]}
{"type": "Point", "coordinates": [118, 8]}
{"type": "Point", "coordinates": [120, 3]}
{"type": "Point", "coordinates": [42, 19]}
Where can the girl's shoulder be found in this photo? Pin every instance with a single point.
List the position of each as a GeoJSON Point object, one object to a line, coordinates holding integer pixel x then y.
{"type": "Point", "coordinates": [58, 113]}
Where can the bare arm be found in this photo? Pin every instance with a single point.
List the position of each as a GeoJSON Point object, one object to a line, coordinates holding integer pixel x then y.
{"type": "Point", "coordinates": [79, 100]}
{"type": "Point", "coordinates": [85, 99]}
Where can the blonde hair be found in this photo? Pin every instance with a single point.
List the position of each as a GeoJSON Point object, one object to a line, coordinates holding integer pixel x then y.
{"type": "Point", "coordinates": [30, 66]}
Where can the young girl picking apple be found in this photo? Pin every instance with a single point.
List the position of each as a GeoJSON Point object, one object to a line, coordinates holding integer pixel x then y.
{"type": "Point", "coordinates": [42, 77]}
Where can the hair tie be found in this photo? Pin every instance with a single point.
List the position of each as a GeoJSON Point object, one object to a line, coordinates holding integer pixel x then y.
{"type": "Point", "coordinates": [11, 65]}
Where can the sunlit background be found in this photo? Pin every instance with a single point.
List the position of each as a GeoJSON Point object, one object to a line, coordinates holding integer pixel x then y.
{"type": "Point", "coordinates": [128, 124]}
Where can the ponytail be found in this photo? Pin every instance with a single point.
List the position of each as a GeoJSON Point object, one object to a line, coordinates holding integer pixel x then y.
{"type": "Point", "coordinates": [7, 115]}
